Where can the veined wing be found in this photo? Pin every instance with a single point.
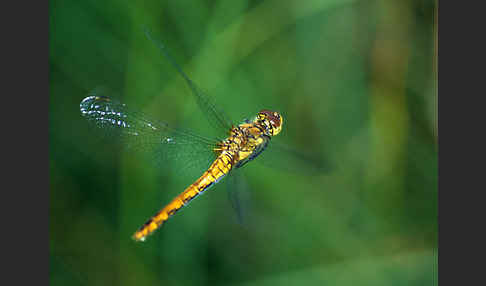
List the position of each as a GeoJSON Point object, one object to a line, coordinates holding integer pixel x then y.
{"type": "Point", "coordinates": [239, 194]}
{"type": "Point", "coordinates": [283, 157]}
{"type": "Point", "coordinates": [137, 131]}
{"type": "Point", "coordinates": [215, 115]}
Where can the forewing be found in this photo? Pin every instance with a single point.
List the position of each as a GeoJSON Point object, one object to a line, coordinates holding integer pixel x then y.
{"type": "Point", "coordinates": [137, 131]}
{"type": "Point", "coordinates": [215, 115]}
{"type": "Point", "coordinates": [280, 156]}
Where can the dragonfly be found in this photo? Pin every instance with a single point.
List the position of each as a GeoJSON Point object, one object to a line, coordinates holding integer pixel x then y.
{"type": "Point", "coordinates": [243, 143]}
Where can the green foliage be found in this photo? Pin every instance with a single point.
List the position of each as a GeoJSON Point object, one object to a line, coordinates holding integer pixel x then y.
{"type": "Point", "coordinates": [356, 84]}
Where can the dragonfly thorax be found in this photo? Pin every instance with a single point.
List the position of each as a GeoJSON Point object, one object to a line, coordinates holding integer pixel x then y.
{"type": "Point", "coordinates": [249, 139]}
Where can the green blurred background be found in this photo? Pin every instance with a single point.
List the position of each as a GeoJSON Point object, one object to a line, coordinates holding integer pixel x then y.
{"type": "Point", "coordinates": [356, 82]}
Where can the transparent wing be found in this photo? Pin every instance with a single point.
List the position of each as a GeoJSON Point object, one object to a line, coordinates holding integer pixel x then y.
{"type": "Point", "coordinates": [239, 194]}
{"type": "Point", "coordinates": [215, 115]}
{"type": "Point", "coordinates": [137, 131]}
{"type": "Point", "coordinates": [286, 158]}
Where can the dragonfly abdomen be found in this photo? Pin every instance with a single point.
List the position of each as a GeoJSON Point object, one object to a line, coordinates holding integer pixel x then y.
{"type": "Point", "coordinates": [218, 169]}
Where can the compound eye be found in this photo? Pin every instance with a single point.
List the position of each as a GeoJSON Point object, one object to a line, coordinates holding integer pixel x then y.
{"type": "Point", "coordinates": [272, 116]}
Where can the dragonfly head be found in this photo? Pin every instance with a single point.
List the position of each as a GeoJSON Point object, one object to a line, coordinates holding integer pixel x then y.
{"type": "Point", "coordinates": [271, 121]}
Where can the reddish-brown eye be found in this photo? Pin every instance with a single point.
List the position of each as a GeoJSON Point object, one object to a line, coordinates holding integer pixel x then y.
{"type": "Point", "coordinates": [272, 116]}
